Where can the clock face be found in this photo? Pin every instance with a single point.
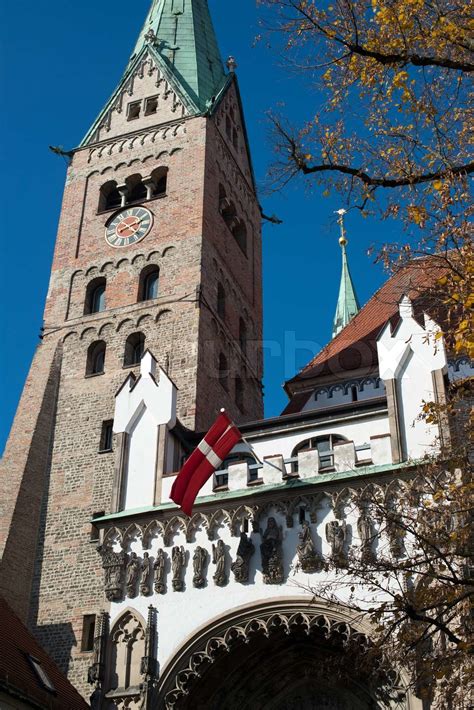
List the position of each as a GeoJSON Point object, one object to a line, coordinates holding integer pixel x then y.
{"type": "Point", "coordinates": [128, 227]}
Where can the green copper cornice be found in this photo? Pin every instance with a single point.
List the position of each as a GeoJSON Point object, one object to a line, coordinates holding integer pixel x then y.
{"type": "Point", "coordinates": [347, 303]}
{"type": "Point", "coordinates": [182, 34]}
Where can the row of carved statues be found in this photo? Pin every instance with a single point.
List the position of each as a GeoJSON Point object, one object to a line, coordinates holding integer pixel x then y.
{"type": "Point", "coordinates": [147, 575]}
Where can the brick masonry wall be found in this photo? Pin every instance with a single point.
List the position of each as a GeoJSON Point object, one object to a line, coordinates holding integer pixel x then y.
{"type": "Point", "coordinates": [191, 244]}
{"type": "Point", "coordinates": [24, 477]}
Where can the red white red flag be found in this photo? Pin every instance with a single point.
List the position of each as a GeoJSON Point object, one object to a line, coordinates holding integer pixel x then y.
{"type": "Point", "coordinates": [204, 461]}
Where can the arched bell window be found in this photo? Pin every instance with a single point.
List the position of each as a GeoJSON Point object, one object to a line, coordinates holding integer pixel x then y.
{"type": "Point", "coordinates": [110, 198]}
{"type": "Point", "coordinates": [95, 296]}
{"type": "Point", "coordinates": [149, 283]}
{"type": "Point", "coordinates": [137, 191]}
{"type": "Point", "coordinates": [159, 182]}
{"type": "Point", "coordinates": [96, 358]}
{"type": "Point", "coordinates": [134, 349]}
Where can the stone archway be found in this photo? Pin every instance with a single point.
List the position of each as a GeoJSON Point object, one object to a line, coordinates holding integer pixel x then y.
{"type": "Point", "coordinates": [284, 655]}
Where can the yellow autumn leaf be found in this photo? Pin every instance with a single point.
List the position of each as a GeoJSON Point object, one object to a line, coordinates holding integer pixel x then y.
{"type": "Point", "coordinates": [400, 78]}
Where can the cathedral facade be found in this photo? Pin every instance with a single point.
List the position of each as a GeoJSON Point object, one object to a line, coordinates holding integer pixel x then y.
{"type": "Point", "coordinates": [153, 323]}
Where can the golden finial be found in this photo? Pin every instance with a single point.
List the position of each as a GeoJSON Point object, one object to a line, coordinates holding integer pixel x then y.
{"type": "Point", "coordinates": [342, 238]}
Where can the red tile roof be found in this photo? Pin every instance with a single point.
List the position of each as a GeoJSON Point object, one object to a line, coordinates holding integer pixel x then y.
{"type": "Point", "coordinates": [17, 676]}
{"type": "Point", "coordinates": [355, 347]}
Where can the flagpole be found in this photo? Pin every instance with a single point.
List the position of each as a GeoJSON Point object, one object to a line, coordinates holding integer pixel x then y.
{"type": "Point", "coordinates": [248, 443]}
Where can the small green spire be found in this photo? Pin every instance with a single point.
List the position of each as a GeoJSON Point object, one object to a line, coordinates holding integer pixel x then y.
{"type": "Point", "coordinates": [182, 34]}
{"type": "Point", "coordinates": [347, 303]}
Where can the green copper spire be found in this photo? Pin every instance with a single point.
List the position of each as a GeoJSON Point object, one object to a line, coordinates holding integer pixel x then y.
{"type": "Point", "coordinates": [182, 34]}
{"type": "Point", "coordinates": [348, 303]}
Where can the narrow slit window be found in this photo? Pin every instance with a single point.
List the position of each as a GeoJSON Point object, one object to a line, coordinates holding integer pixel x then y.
{"type": "Point", "coordinates": [88, 632]}
{"type": "Point", "coordinates": [223, 371]}
{"type": "Point", "coordinates": [221, 301]}
{"type": "Point", "coordinates": [239, 393]}
{"type": "Point", "coordinates": [106, 436]}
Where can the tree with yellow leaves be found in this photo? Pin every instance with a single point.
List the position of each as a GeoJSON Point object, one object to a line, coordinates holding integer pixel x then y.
{"type": "Point", "coordinates": [392, 125]}
{"type": "Point", "coordinates": [391, 130]}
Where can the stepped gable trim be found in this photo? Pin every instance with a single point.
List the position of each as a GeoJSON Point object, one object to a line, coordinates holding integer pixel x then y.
{"type": "Point", "coordinates": [185, 99]}
{"type": "Point", "coordinates": [17, 675]}
{"type": "Point", "coordinates": [355, 347]}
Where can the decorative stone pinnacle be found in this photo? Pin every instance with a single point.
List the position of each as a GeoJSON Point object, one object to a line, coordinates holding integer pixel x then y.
{"type": "Point", "coordinates": [150, 37]}
{"type": "Point", "coordinates": [231, 64]}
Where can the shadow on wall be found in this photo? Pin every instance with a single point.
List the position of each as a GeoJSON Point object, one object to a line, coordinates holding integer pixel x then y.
{"type": "Point", "coordinates": [58, 640]}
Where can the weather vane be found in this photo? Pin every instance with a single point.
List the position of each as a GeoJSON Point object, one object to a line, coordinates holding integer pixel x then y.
{"type": "Point", "coordinates": [342, 238]}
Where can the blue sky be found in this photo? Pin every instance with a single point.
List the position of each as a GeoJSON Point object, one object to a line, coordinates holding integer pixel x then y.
{"type": "Point", "coordinates": [59, 63]}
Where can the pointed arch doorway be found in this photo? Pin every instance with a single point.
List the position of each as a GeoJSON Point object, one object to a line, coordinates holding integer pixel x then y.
{"type": "Point", "coordinates": [280, 656]}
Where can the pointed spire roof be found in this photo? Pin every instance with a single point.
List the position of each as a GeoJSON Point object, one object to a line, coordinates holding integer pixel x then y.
{"type": "Point", "coordinates": [182, 34]}
{"type": "Point", "coordinates": [347, 303]}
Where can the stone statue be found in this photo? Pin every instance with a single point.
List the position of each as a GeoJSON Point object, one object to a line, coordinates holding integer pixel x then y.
{"type": "Point", "coordinates": [113, 564]}
{"type": "Point", "coordinates": [396, 536]}
{"type": "Point", "coordinates": [240, 567]}
{"type": "Point", "coordinates": [218, 557]}
{"type": "Point", "coordinates": [336, 534]}
{"type": "Point", "coordinates": [178, 562]}
{"type": "Point", "coordinates": [133, 571]}
{"type": "Point", "coordinates": [308, 558]}
{"type": "Point", "coordinates": [272, 553]}
{"type": "Point", "coordinates": [199, 563]}
{"type": "Point", "coordinates": [159, 569]}
{"type": "Point", "coordinates": [365, 529]}
{"type": "Point", "coordinates": [145, 575]}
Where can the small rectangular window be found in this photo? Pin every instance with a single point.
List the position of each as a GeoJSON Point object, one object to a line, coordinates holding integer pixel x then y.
{"type": "Point", "coordinates": [302, 515]}
{"type": "Point", "coordinates": [246, 525]}
{"type": "Point", "coordinates": [221, 480]}
{"type": "Point", "coordinates": [134, 110]}
{"type": "Point", "coordinates": [151, 105]}
{"type": "Point", "coordinates": [88, 632]}
{"type": "Point", "coordinates": [106, 436]}
{"type": "Point", "coordinates": [253, 474]}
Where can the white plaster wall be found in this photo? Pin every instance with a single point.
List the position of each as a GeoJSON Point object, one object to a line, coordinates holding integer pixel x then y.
{"type": "Point", "coordinates": [181, 614]}
{"type": "Point", "coordinates": [141, 463]}
{"type": "Point", "coordinates": [410, 354]}
{"type": "Point", "coordinates": [415, 384]}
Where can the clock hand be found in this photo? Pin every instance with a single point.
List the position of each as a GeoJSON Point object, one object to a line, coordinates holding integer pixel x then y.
{"type": "Point", "coordinates": [132, 226]}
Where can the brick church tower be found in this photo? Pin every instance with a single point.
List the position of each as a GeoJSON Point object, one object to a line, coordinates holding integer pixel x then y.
{"type": "Point", "coordinates": [159, 247]}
